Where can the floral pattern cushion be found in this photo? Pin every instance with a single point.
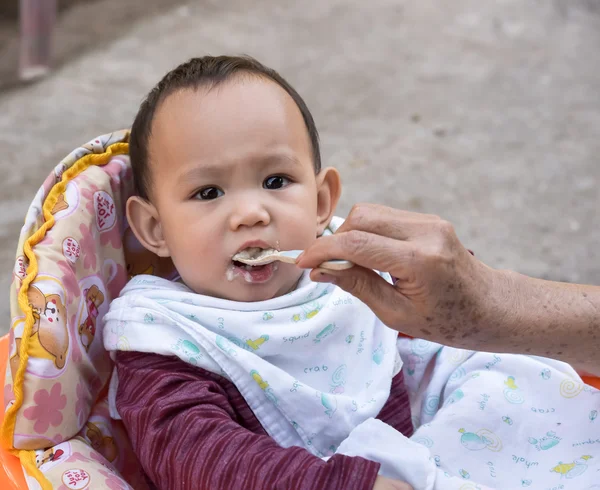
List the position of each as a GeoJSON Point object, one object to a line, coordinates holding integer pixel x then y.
{"type": "Point", "coordinates": [75, 253]}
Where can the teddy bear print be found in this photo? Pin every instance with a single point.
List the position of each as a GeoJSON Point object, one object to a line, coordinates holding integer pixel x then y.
{"type": "Point", "coordinates": [87, 330]}
{"type": "Point", "coordinates": [50, 324]}
{"type": "Point", "coordinates": [47, 456]}
{"type": "Point", "coordinates": [103, 444]}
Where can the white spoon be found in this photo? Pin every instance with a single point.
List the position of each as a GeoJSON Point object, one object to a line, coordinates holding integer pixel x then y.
{"type": "Point", "coordinates": [288, 256]}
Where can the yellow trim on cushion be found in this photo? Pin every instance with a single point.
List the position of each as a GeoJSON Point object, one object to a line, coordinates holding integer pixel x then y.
{"type": "Point", "coordinates": [8, 424]}
{"type": "Point", "coordinates": [28, 461]}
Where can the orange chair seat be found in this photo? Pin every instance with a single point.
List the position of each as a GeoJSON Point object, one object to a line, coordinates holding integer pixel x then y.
{"type": "Point", "coordinates": [11, 472]}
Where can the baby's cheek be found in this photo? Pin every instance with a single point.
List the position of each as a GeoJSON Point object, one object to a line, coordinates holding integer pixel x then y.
{"type": "Point", "coordinates": [303, 236]}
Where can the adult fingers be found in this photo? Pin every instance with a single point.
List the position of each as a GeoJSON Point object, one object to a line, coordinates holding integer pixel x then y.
{"type": "Point", "coordinates": [362, 248]}
{"type": "Point", "coordinates": [386, 221]}
{"type": "Point", "coordinates": [390, 306]}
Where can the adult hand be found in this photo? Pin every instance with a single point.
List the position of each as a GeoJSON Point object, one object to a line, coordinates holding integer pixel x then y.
{"type": "Point", "coordinates": [441, 289]}
{"type": "Point", "coordinates": [445, 294]}
{"type": "Point", "coordinates": [382, 483]}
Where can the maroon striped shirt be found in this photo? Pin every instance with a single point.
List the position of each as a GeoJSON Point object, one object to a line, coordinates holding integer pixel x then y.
{"type": "Point", "coordinates": [192, 429]}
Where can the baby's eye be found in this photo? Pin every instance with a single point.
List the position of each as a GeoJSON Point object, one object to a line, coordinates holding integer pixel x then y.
{"type": "Point", "coordinates": [275, 182]}
{"type": "Point", "coordinates": [208, 193]}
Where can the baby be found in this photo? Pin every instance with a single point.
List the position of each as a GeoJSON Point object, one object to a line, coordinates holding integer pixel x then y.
{"type": "Point", "coordinates": [256, 377]}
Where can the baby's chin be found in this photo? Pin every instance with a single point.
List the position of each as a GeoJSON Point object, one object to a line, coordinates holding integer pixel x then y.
{"type": "Point", "coordinates": [239, 290]}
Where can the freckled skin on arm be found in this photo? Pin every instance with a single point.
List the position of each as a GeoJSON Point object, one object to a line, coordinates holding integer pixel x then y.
{"type": "Point", "coordinates": [550, 319]}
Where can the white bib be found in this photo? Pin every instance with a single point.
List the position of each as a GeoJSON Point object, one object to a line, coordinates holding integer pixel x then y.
{"type": "Point", "coordinates": [312, 364]}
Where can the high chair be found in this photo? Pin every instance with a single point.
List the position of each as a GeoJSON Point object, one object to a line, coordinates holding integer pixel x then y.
{"type": "Point", "coordinates": [75, 253]}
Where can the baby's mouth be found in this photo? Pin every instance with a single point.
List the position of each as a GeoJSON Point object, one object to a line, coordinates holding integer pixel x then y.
{"type": "Point", "coordinates": [252, 273]}
{"type": "Point", "coordinates": [250, 253]}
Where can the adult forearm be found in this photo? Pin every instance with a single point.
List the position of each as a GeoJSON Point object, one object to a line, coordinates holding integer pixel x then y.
{"type": "Point", "coordinates": [545, 318]}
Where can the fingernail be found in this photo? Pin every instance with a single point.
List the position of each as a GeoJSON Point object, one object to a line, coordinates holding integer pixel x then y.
{"type": "Point", "coordinates": [299, 257]}
{"type": "Point", "coordinates": [323, 276]}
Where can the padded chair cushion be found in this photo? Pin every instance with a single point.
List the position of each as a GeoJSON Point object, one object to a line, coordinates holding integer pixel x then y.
{"type": "Point", "coordinates": [75, 254]}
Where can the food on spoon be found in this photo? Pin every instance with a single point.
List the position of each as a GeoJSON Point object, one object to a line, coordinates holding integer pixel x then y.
{"type": "Point", "coordinates": [252, 254]}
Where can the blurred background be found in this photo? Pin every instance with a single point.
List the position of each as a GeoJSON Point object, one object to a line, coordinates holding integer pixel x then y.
{"type": "Point", "coordinates": [486, 113]}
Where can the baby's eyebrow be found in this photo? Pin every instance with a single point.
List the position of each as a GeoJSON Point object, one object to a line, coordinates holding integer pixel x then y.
{"type": "Point", "coordinates": [211, 170]}
{"type": "Point", "coordinates": [201, 171]}
{"type": "Point", "coordinates": [279, 159]}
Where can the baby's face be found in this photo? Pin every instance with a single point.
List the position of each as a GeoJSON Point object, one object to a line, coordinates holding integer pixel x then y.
{"type": "Point", "coordinates": [232, 168]}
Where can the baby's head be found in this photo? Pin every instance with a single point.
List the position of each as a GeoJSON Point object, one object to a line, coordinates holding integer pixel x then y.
{"type": "Point", "coordinates": [225, 156]}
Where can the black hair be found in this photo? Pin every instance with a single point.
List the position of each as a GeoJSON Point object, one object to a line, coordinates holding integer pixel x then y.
{"type": "Point", "coordinates": [197, 72]}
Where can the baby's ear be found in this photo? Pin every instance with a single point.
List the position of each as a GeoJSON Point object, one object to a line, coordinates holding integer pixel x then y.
{"type": "Point", "coordinates": [329, 189]}
{"type": "Point", "coordinates": [145, 224]}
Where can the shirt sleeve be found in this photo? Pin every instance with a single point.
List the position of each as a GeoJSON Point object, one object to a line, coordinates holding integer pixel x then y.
{"type": "Point", "coordinates": [186, 434]}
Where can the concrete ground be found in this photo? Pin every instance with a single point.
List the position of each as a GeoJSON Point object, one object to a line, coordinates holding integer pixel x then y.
{"type": "Point", "coordinates": [487, 113]}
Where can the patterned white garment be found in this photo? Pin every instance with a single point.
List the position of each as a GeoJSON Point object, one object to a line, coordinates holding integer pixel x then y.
{"type": "Point", "coordinates": [493, 421]}
{"type": "Point", "coordinates": [312, 364]}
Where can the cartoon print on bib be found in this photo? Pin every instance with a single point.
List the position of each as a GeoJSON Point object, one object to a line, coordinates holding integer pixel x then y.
{"type": "Point", "coordinates": [189, 350]}
{"type": "Point", "coordinates": [309, 310]}
{"type": "Point", "coordinates": [264, 386]}
{"type": "Point", "coordinates": [570, 388]}
{"type": "Point", "coordinates": [431, 405]}
{"type": "Point", "coordinates": [338, 380]}
{"type": "Point", "coordinates": [419, 349]}
{"type": "Point", "coordinates": [326, 332]}
{"type": "Point", "coordinates": [546, 442]}
{"type": "Point", "coordinates": [330, 404]}
{"type": "Point", "coordinates": [456, 396]}
{"type": "Point", "coordinates": [574, 469]}
{"type": "Point", "coordinates": [512, 393]}
{"type": "Point", "coordinates": [482, 439]}
{"type": "Point", "coordinates": [246, 345]}
{"type": "Point", "coordinates": [225, 345]}
{"type": "Point", "coordinates": [378, 354]}
{"type": "Point", "coordinates": [255, 344]}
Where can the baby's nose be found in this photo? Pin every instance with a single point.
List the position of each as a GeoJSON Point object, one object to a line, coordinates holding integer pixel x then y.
{"type": "Point", "coordinates": [248, 214]}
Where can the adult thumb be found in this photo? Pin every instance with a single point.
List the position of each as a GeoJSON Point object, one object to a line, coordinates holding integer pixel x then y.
{"type": "Point", "coordinates": [372, 289]}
